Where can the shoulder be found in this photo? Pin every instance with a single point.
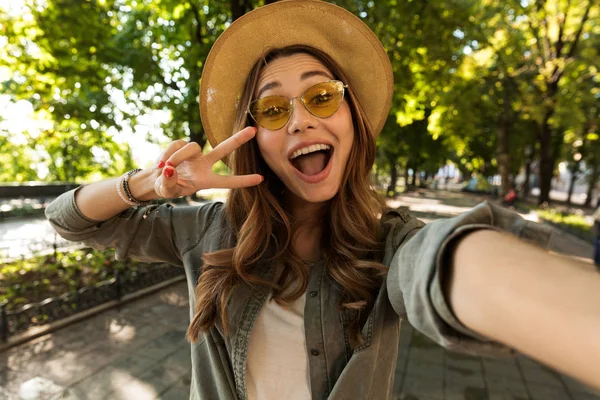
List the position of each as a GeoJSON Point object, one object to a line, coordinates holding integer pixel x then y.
{"type": "Point", "coordinates": [191, 223]}
{"type": "Point", "coordinates": [397, 225]}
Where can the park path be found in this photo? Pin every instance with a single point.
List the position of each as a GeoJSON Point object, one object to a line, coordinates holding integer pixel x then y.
{"type": "Point", "coordinates": [139, 353]}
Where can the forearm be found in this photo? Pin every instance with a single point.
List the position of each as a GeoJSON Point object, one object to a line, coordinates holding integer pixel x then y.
{"type": "Point", "coordinates": [522, 296]}
{"type": "Point", "coordinates": [100, 201]}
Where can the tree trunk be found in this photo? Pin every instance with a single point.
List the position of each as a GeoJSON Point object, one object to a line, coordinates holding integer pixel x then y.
{"type": "Point", "coordinates": [393, 179]}
{"type": "Point", "coordinates": [592, 183]}
{"type": "Point", "coordinates": [406, 177]}
{"type": "Point", "coordinates": [546, 161]}
{"type": "Point", "coordinates": [526, 184]}
{"type": "Point", "coordinates": [238, 8]}
{"type": "Point", "coordinates": [571, 186]}
{"type": "Point", "coordinates": [503, 157]}
{"type": "Point", "coordinates": [199, 138]}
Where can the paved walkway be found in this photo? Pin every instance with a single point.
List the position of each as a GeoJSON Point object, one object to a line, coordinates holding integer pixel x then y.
{"type": "Point", "coordinates": [139, 353]}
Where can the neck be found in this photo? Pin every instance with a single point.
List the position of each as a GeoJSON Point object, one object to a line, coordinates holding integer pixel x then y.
{"type": "Point", "coordinates": [307, 227]}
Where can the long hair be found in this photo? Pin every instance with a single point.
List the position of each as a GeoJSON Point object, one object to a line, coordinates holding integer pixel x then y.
{"type": "Point", "coordinates": [350, 242]}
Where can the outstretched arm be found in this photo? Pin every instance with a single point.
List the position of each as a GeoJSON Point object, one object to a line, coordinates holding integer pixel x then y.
{"type": "Point", "coordinates": [544, 305]}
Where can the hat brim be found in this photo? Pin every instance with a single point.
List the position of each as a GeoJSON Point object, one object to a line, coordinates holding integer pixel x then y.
{"type": "Point", "coordinates": [326, 27]}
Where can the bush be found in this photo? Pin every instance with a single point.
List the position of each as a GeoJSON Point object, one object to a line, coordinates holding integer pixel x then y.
{"type": "Point", "coordinates": [35, 279]}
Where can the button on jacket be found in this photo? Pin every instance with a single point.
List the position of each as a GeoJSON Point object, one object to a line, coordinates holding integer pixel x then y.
{"type": "Point", "coordinates": [414, 253]}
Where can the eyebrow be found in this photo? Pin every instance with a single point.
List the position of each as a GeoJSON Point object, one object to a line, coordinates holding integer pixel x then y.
{"type": "Point", "coordinates": [304, 76]}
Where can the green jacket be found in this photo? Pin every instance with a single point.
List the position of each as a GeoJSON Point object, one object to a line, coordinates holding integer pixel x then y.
{"type": "Point", "coordinates": [414, 253]}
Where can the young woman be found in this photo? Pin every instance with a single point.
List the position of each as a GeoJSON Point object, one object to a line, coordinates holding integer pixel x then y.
{"type": "Point", "coordinates": [298, 284]}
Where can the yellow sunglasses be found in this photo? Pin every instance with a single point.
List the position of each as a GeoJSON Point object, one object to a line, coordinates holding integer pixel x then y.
{"type": "Point", "coordinates": [321, 100]}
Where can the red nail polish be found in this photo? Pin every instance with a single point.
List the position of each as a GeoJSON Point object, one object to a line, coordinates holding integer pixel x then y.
{"type": "Point", "coordinates": [168, 172]}
{"type": "Point", "coordinates": [169, 163]}
{"type": "Point", "coordinates": [161, 164]}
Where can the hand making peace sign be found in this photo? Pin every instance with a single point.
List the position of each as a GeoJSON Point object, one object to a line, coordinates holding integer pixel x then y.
{"type": "Point", "coordinates": [187, 170]}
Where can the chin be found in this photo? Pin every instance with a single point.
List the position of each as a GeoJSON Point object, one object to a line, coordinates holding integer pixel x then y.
{"type": "Point", "coordinates": [320, 195]}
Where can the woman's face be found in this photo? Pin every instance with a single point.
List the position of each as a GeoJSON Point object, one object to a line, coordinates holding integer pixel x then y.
{"type": "Point", "coordinates": [316, 176]}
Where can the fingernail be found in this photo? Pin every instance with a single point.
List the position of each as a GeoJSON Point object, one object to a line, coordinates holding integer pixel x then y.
{"type": "Point", "coordinates": [255, 130]}
{"type": "Point", "coordinates": [161, 164]}
{"type": "Point", "coordinates": [168, 172]}
{"type": "Point", "coordinates": [169, 163]}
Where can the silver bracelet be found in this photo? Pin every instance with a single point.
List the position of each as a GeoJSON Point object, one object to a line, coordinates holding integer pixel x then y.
{"type": "Point", "coordinates": [124, 192]}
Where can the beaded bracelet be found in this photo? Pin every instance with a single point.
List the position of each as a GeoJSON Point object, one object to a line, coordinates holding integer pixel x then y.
{"type": "Point", "coordinates": [123, 186]}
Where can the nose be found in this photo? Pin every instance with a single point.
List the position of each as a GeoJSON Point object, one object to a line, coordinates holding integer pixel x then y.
{"type": "Point", "coordinates": [301, 119]}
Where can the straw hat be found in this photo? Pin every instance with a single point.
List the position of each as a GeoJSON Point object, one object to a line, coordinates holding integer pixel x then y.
{"type": "Point", "coordinates": [327, 27]}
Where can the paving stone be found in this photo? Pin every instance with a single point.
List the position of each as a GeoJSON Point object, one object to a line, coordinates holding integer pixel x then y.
{"type": "Point", "coordinates": [398, 381]}
{"type": "Point", "coordinates": [501, 387]}
{"type": "Point", "coordinates": [420, 341]}
{"type": "Point", "coordinates": [425, 369]}
{"type": "Point", "coordinates": [405, 337]}
{"type": "Point", "coordinates": [164, 345]}
{"type": "Point", "coordinates": [180, 360]}
{"type": "Point", "coordinates": [465, 392]}
{"type": "Point", "coordinates": [538, 374]}
{"type": "Point", "coordinates": [543, 392]}
{"type": "Point", "coordinates": [151, 383]}
{"type": "Point", "coordinates": [432, 355]}
{"type": "Point", "coordinates": [455, 377]}
{"type": "Point", "coordinates": [422, 388]}
{"type": "Point", "coordinates": [577, 388]}
{"type": "Point", "coordinates": [135, 390]}
{"type": "Point", "coordinates": [5, 395]}
{"type": "Point", "coordinates": [473, 364]}
{"type": "Point", "coordinates": [176, 392]}
{"type": "Point", "coordinates": [98, 385]}
{"type": "Point", "coordinates": [584, 396]}
{"type": "Point", "coordinates": [401, 365]}
{"type": "Point", "coordinates": [506, 396]}
{"type": "Point", "coordinates": [11, 380]}
{"type": "Point", "coordinates": [38, 388]}
{"type": "Point", "coordinates": [508, 368]}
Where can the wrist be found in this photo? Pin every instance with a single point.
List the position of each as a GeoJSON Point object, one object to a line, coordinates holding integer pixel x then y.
{"type": "Point", "coordinates": [141, 185]}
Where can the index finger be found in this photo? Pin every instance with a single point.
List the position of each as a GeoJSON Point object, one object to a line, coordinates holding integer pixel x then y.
{"type": "Point", "coordinates": [228, 145]}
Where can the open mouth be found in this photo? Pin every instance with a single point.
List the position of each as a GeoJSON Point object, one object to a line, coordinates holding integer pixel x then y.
{"type": "Point", "coordinates": [312, 160]}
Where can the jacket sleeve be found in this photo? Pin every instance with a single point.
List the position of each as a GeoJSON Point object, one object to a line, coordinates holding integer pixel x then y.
{"type": "Point", "coordinates": [163, 236]}
{"type": "Point", "coordinates": [418, 259]}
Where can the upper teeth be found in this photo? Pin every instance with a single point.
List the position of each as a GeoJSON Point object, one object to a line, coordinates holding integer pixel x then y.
{"type": "Point", "coordinates": [310, 149]}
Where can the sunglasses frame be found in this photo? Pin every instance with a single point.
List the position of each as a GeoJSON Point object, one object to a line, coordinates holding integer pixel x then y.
{"type": "Point", "coordinates": [291, 102]}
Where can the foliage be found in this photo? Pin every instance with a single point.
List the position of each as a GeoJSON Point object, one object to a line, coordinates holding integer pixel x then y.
{"type": "Point", "coordinates": [35, 279]}
{"type": "Point", "coordinates": [476, 82]}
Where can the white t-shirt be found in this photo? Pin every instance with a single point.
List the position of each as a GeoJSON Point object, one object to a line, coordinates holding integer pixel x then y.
{"type": "Point", "coordinates": [277, 357]}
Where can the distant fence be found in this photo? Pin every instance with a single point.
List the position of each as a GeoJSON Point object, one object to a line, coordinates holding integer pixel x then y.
{"type": "Point", "coordinates": [35, 189]}
{"type": "Point", "coordinates": [17, 321]}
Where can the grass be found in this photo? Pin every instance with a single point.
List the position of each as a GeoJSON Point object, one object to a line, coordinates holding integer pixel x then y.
{"type": "Point", "coordinates": [572, 220]}
{"type": "Point", "coordinates": [570, 223]}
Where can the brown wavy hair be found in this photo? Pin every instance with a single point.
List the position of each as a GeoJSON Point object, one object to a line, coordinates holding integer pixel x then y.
{"type": "Point", "coordinates": [350, 243]}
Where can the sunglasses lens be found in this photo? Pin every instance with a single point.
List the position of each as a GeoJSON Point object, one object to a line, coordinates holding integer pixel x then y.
{"type": "Point", "coordinates": [324, 99]}
{"type": "Point", "coordinates": [271, 112]}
